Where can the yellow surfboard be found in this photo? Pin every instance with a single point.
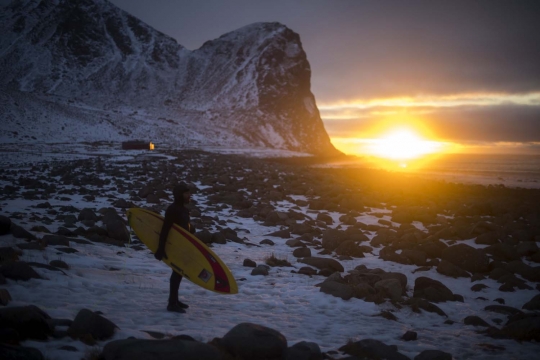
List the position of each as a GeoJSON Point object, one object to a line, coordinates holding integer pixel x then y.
{"type": "Point", "coordinates": [186, 254]}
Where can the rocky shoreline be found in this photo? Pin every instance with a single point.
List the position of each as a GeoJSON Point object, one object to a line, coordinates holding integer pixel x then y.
{"type": "Point", "coordinates": [426, 223]}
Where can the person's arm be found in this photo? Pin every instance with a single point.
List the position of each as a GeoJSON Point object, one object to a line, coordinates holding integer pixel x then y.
{"type": "Point", "coordinates": [167, 224]}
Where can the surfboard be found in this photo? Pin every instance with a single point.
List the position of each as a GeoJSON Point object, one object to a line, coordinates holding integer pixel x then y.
{"type": "Point", "coordinates": [187, 255]}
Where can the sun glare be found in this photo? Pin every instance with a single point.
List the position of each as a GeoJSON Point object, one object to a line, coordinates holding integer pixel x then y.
{"type": "Point", "coordinates": [402, 144]}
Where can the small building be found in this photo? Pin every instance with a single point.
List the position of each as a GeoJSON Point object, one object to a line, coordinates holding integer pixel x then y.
{"type": "Point", "coordinates": [137, 145]}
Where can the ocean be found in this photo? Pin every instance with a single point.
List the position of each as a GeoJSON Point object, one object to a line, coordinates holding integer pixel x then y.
{"type": "Point", "coordinates": [508, 170]}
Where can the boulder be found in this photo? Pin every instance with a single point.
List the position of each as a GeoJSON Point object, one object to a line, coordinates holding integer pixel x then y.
{"type": "Point", "coordinates": [21, 233]}
{"type": "Point", "coordinates": [467, 258]}
{"type": "Point", "coordinates": [475, 321]}
{"type": "Point", "coordinates": [117, 230]}
{"type": "Point", "coordinates": [432, 290]}
{"type": "Point", "coordinates": [30, 322]}
{"type": "Point", "coordinates": [11, 352]}
{"type": "Point", "coordinates": [350, 248]}
{"type": "Point", "coordinates": [533, 304]}
{"type": "Point", "coordinates": [303, 252]}
{"type": "Point", "coordinates": [390, 288]}
{"type": "Point", "coordinates": [260, 270]}
{"type": "Point", "coordinates": [250, 341]}
{"type": "Point", "coordinates": [87, 214]}
{"type": "Point", "coordinates": [175, 348]}
{"type": "Point", "coordinates": [337, 289]}
{"type": "Point", "coordinates": [18, 270]}
{"type": "Point", "coordinates": [502, 252]}
{"type": "Point", "coordinates": [372, 349]}
{"type": "Point", "coordinates": [323, 263]}
{"type": "Point", "coordinates": [433, 355]}
{"type": "Point", "coordinates": [91, 323]}
{"type": "Point", "coordinates": [5, 225]}
{"type": "Point", "coordinates": [332, 238]}
{"type": "Point", "coordinates": [449, 269]}
{"type": "Point", "coordinates": [304, 350]}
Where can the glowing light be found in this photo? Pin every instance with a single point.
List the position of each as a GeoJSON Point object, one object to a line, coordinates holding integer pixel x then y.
{"type": "Point", "coordinates": [402, 144]}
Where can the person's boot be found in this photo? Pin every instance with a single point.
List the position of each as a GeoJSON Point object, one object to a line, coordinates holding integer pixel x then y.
{"type": "Point", "coordinates": [175, 307]}
{"type": "Point", "coordinates": [182, 305]}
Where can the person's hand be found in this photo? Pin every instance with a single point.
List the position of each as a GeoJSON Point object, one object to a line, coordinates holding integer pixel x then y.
{"type": "Point", "coordinates": [160, 253]}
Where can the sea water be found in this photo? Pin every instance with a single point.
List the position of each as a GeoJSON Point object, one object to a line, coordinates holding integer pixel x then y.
{"type": "Point", "coordinates": [508, 170]}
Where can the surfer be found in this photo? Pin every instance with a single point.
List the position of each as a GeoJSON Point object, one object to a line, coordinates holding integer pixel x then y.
{"type": "Point", "coordinates": [178, 214]}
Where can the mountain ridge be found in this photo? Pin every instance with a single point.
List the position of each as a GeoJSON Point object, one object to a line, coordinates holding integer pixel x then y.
{"type": "Point", "coordinates": [94, 64]}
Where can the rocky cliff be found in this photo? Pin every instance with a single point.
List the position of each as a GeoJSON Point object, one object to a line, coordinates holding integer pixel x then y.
{"type": "Point", "coordinates": [87, 70]}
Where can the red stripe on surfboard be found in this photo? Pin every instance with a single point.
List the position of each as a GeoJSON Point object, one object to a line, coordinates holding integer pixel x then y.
{"type": "Point", "coordinates": [219, 273]}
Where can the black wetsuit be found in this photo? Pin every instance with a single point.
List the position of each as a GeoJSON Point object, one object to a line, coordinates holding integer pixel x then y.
{"type": "Point", "coordinates": [178, 214]}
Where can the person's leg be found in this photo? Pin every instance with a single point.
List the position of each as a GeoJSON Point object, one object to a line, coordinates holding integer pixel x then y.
{"type": "Point", "coordinates": [174, 285]}
{"type": "Point", "coordinates": [175, 280]}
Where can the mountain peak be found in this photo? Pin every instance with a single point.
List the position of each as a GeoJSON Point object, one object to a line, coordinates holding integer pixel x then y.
{"type": "Point", "coordinates": [250, 86]}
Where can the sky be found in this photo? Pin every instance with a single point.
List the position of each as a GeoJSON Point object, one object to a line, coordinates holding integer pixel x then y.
{"type": "Point", "coordinates": [130, 287]}
{"type": "Point", "coordinates": [464, 72]}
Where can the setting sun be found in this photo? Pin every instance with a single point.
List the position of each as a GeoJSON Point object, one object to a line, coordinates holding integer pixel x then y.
{"type": "Point", "coordinates": [402, 144]}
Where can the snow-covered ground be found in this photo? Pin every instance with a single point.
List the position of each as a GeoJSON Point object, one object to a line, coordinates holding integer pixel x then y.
{"type": "Point", "coordinates": [130, 288]}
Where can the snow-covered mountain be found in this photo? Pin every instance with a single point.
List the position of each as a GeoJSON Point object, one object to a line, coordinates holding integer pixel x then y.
{"type": "Point", "coordinates": [87, 71]}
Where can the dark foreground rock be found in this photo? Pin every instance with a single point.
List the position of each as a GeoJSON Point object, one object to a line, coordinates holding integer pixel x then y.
{"type": "Point", "coordinates": [251, 342]}
{"type": "Point", "coordinates": [373, 349]}
{"type": "Point", "coordinates": [172, 349]}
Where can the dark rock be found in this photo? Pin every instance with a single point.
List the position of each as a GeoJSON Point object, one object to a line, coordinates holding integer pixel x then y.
{"type": "Point", "coordinates": [30, 322]}
{"type": "Point", "coordinates": [362, 290]}
{"type": "Point", "coordinates": [533, 304]}
{"type": "Point", "coordinates": [449, 269]}
{"type": "Point", "coordinates": [21, 233]}
{"type": "Point", "coordinates": [260, 270]}
{"type": "Point", "coordinates": [390, 288]}
{"type": "Point", "coordinates": [267, 242]}
{"type": "Point", "coordinates": [432, 290]}
{"type": "Point", "coordinates": [59, 264]}
{"type": "Point", "coordinates": [416, 257]}
{"type": "Point", "coordinates": [56, 240]}
{"type": "Point", "coordinates": [417, 304]}
{"type": "Point", "coordinates": [488, 238]}
{"type": "Point", "coordinates": [8, 253]}
{"type": "Point", "coordinates": [523, 327]}
{"type": "Point", "coordinates": [528, 272]}
{"type": "Point", "coordinates": [302, 252]}
{"type": "Point", "coordinates": [323, 263]}
{"type": "Point", "coordinates": [205, 236]}
{"type": "Point", "coordinates": [138, 349]}
{"type": "Point", "coordinates": [410, 336]}
{"type": "Point", "coordinates": [19, 270]}
{"type": "Point", "coordinates": [503, 309]}
{"type": "Point", "coordinates": [332, 238]}
{"type": "Point", "coordinates": [11, 352]}
{"type": "Point", "coordinates": [372, 349]}
{"type": "Point", "coordinates": [249, 263]}
{"type": "Point", "coordinates": [304, 351]}
{"type": "Point", "coordinates": [306, 270]}
{"type": "Point", "coordinates": [284, 234]}
{"type": "Point", "coordinates": [502, 252]}
{"type": "Point", "coordinates": [479, 287]}
{"type": "Point", "coordinates": [350, 248]}
{"type": "Point", "coordinates": [87, 214]}
{"type": "Point", "coordinates": [252, 342]}
{"type": "Point", "coordinates": [5, 225]}
{"type": "Point", "coordinates": [337, 289]}
{"type": "Point", "coordinates": [467, 258]}
{"type": "Point", "coordinates": [117, 230]}
{"type": "Point", "coordinates": [475, 321]}
{"type": "Point", "coordinates": [5, 297]}
{"type": "Point", "coordinates": [433, 355]}
{"type": "Point", "coordinates": [527, 248]}
{"type": "Point", "coordinates": [91, 323]}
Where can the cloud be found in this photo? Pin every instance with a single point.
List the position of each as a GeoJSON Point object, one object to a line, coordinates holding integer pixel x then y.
{"type": "Point", "coordinates": [501, 123]}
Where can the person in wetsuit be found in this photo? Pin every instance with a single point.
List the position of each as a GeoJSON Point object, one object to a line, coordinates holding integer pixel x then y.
{"type": "Point", "coordinates": [178, 214]}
